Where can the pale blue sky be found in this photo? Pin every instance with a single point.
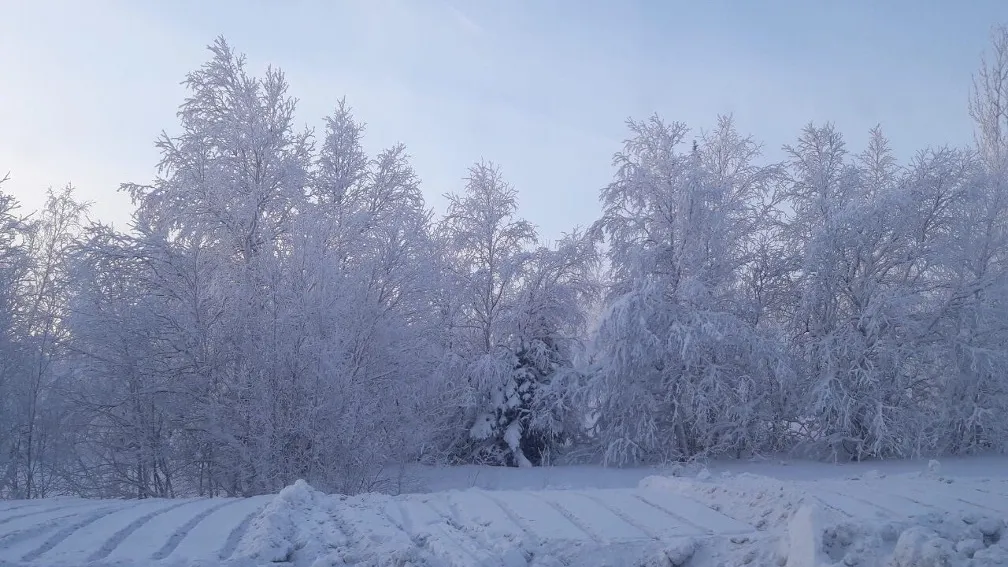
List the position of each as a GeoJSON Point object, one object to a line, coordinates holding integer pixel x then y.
{"type": "Point", "coordinates": [542, 88]}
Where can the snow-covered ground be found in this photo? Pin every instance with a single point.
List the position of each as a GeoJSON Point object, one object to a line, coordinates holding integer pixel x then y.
{"type": "Point", "coordinates": [900, 514]}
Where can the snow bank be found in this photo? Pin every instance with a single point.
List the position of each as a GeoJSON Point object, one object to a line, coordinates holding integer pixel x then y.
{"type": "Point", "coordinates": [693, 518]}
{"type": "Point", "coordinates": [816, 539]}
{"type": "Point", "coordinates": [296, 526]}
{"type": "Point", "coordinates": [796, 527]}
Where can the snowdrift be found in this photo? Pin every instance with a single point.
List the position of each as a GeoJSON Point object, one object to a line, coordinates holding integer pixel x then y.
{"type": "Point", "coordinates": [871, 519]}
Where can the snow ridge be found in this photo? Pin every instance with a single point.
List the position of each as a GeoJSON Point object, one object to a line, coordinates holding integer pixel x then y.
{"type": "Point", "coordinates": [868, 520]}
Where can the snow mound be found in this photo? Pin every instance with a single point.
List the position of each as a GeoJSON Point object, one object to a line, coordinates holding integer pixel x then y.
{"type": "Point", "coordinates": [868, 520]}
{"type": "Point", "coordinates": [805, 545]}
{"type": "Point", "coordinates": [816, 538]}
{"type": "Point", "coordinates": [922, 547]}
{"type": "Point", "coordinates": [799, 525]}
{"type": "Point", "coordinates": [297, 526]}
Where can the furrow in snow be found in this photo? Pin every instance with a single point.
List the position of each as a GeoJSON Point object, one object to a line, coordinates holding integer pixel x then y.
{"type": "Point", "coordinates": [621, 514]}
{"type": "Point", "coordinates": [574, 520]}
{"type": "Point", "coordinates": [45, 510]}
{"type": "Point", "coordinates": [511, 515]}
{"type": "Point", "coordinates": [993, 499]}
{"type": "Point", "coordinates": [939, 500]}
{"type": "Point", "coordinates": [475, 509]}
{"type": "Point", "coordinates": [831, 504]}
{"type": "Point", "coordinates": [448, 539]}
{"type": "Point", "coordinates": [543, 519]}
{"type": "Point", "coordinates": [68, 531]}
{"type": "Point", "coordinates": [16, 543]}
{"type": "Point", "coordinates": [117, 538]}
{"type": "Point", "coordinates": [670, 512]}
{"type": "Point", "coordinates": [407, 520]}
{"type": "Point", "coordinates": [235, 536]}
{"type": "Point", "coordinates": [87, 540]}
{"type": "Point", "coordinates": [179, 533]}
{"type": "Point", "coordinates": [889, 509]}
{"type": "Point", "coordinates": [208, 536]}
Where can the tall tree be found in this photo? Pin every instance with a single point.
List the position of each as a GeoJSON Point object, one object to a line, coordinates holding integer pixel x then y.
{"type": "Point", "coordinates": [679, 372]}
{"type": "Point", "coordinates": [489, 249]}
{"type": "Point", "coordinates": [989, 101]}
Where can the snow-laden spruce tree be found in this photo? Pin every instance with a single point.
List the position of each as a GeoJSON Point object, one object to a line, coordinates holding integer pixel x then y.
{"type": "Point", "coordinates": [517, 313]}
{"type": "Point", "coordinates": [536, 409]}
{"type": "Point", "coordinates": [487, 247]}
{"type": "Point", "coordinates": [680, 373]}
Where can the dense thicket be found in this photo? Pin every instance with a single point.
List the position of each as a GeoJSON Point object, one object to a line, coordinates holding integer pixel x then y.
{"type": "Point", "coordinates": [286, 306]}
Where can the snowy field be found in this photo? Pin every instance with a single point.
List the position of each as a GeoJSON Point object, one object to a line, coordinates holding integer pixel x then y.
{"type": "Point", "coordinates": [901, 514]}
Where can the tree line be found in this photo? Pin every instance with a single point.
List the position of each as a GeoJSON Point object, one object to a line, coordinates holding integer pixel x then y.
{"type": "Point", "coordinates": [286, 306]}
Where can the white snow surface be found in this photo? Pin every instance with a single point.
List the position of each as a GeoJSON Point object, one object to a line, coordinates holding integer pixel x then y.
{"type": "Point", "coordinates": [775, 514]}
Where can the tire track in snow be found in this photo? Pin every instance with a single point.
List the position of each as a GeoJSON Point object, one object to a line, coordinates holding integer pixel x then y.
{"type": "Point", "coordinates": [25, 504]}
{"type": "Point", "coordinates": [46, 510]}
{"type": "Point", "coordinates": [621, 515]}
{"type": "Point", "coordinates": [1003, 498]}
{"type": "Point", "coordinates": [407, 519]}
{"type": "Point", "coordinates": [904, 490]}
{"type": "Point", "coordinates": [234, 538]}
{"type": "Point", "coordinates": [64, 533]}
{"type": "Point", "coordinates": [117, 538]}
{"type": "Point", "coordinates": [832, 507]}
{"type": "Point", "coordinates": [887, 511]}
{"type": "Point", "coordinates": [904, 496]}
{"type": "Point", "coordinates": [457, 532]}
{"type": "Point", "coordinates": [399, 524]}
{"type": "Point", "coordinates": [178, 535]}
{"type": "Point", "coordinates": [451, 529]}
{"type": "Point", "coordinates": [50, 503]}
{"type": "Point", "coordinates": [673, 514]}
{"type": "Point", "coordinates": [573, 519]}
{"type": "Point", "coordinates": [6, 540]}
{"type": "Point", "coordinates": [522, 524]}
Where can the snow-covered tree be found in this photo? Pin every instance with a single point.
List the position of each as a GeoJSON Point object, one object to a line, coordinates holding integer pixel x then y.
{"type": "Point", "coordinates": [14, 262]}
{"type": "Point", "coordinates": [284, 306]}
{"type": "Point", "coordinates": [989, 102]}
{"type": "Point", "coordinates": [516, 318]}
{"type": "Point", "coordinates": [972, 318]}
{"type": "Point", "coordinates": [365, 285]}
{"type": "Point", "coordinates": [967, 214]}
{"type": "Point", "coordinates": [679, 372]}
{"type": "Point", "coordinates": [847, 245]}
{"type": "Point", "coordinates": [35, 338]}
{"type": "Point", "coordinates": [489, 249]}
{"type": "Point", "coordinates": [486, 248]}
{"type": "Point", "coordinates": [237, 172]}
{"type": "Point", "coordinates": [533, 412]}
{"type": "Point", "coordinates": [271, 317]}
